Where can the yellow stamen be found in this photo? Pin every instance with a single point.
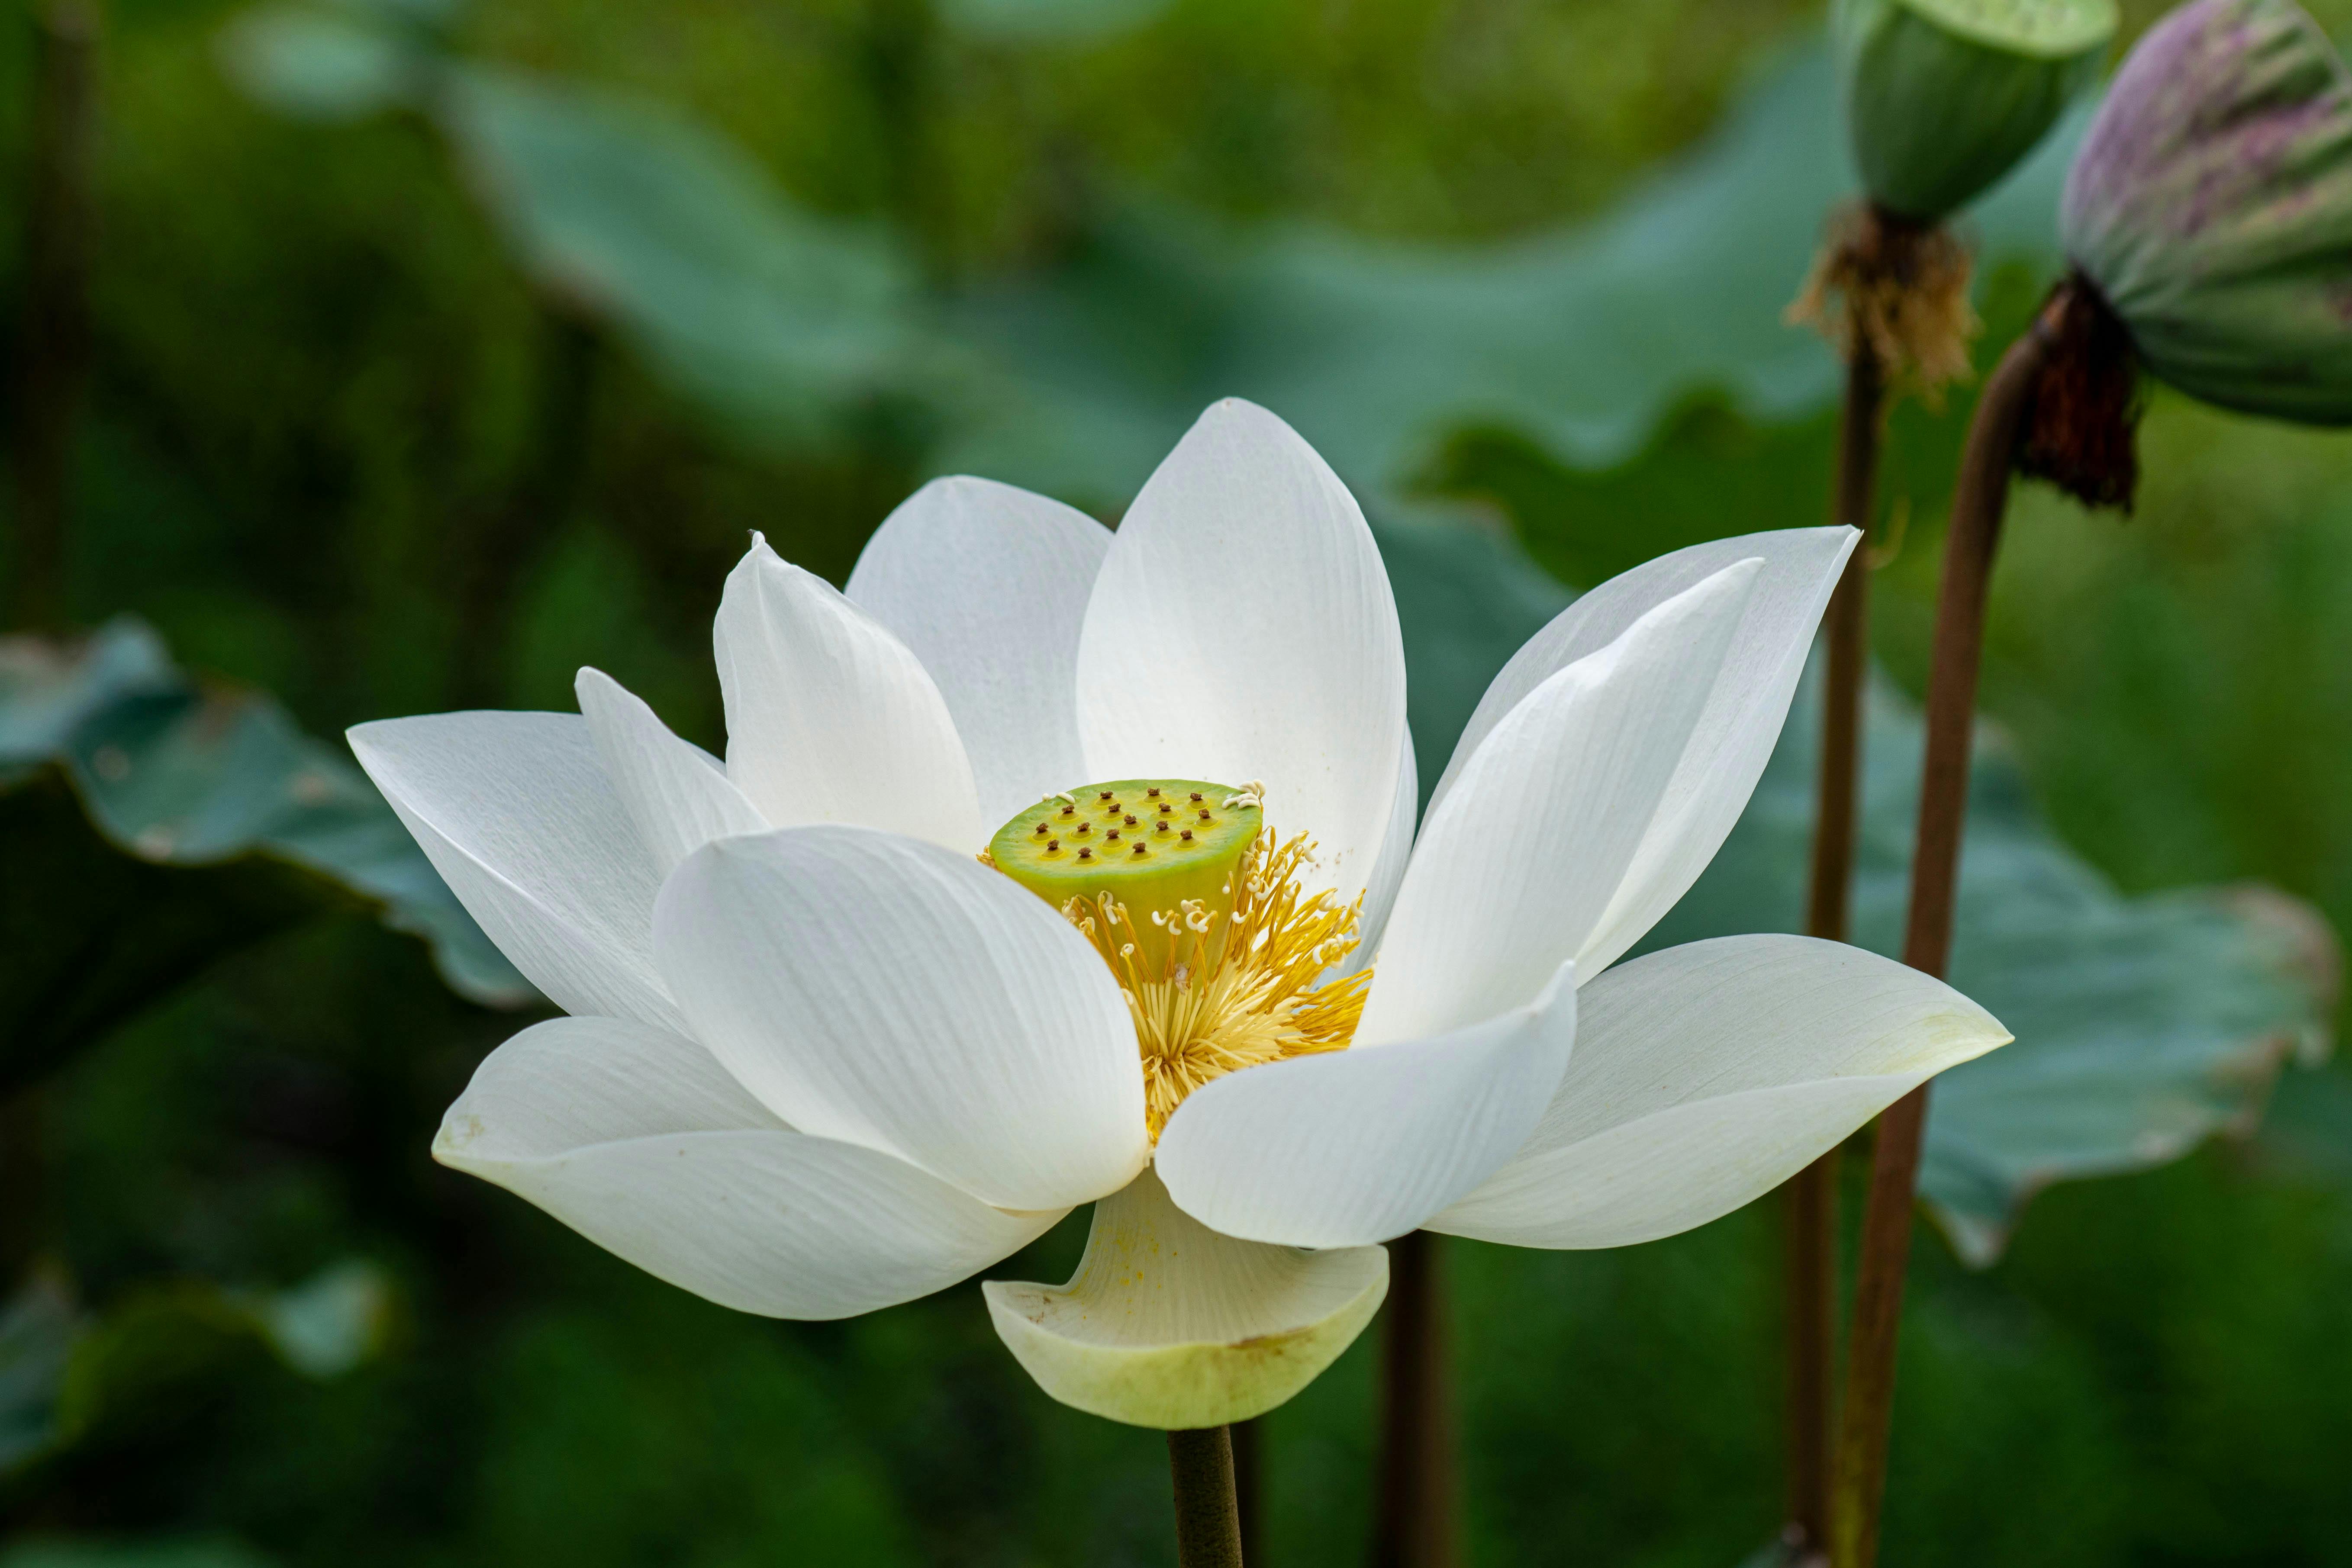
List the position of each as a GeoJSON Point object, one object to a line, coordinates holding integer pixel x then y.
{"type": "Point", "coordinates": [1213, 994]}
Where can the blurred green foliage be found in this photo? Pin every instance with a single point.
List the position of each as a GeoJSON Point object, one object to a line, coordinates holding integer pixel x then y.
{"type": "Point", "coordinates": [164, 823]}
{"type": "Point", "coordinates": [341, 446]}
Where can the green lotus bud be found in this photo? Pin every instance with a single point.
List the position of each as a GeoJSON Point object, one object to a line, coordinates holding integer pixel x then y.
{"type": "Point", "coordinates": [2212, 208]}
{"type": "Point", "coordinates": [1943, 97]}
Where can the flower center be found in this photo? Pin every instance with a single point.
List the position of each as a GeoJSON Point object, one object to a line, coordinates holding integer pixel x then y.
{"type": "Point", "coordinates": [1196, 906]}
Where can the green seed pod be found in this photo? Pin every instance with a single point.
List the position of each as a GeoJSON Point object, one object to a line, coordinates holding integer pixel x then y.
{"type": "Point", "coordinates": [1943, 97]}
{"type": "Point", "coordinates": [1152, 844]}
{"type": "Point", "coordinates": [2212, 208]}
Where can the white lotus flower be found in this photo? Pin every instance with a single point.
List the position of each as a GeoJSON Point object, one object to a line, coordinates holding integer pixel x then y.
{"type": "Point", "coordinates": [823, 1058]}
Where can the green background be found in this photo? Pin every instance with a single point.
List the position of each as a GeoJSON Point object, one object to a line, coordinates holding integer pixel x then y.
{"type": "Point", "coordinates": [341, 447]}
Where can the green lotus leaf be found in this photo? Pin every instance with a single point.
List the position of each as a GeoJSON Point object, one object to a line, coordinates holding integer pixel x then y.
{"type": "Point", "coordinates": [770, 316]}
{"type": "Point", "coordinates": [152, 825]}
{"type": "Point", "coordinates": [2211, 206]}
{"type": "Point", "coordinates": [1943, 98]}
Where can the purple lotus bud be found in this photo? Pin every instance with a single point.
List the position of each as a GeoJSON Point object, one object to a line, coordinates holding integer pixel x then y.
{"type": "Point", "coordinates": [2212, 207]}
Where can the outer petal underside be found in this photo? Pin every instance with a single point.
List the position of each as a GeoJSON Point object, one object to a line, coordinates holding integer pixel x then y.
{"type": "Point", "coordinates": [988, 584]}
{"type": "Point", "coordinates": [1361, 1145]}
{"type": "Point", "coordinates": [1518, 865]}
{"type": "Point", "coordinates": [1243, 629]}
{"type": "Point", "coordinates": [883, 992]}
{"type": "Point", "coordinates": [517, 816]}
{"type": "Point", "coordinates": [677, 793]}
{"type": "Point", "coordinates": [1707, 1075]}
{"type": "Point", "coordinates": [642, 1142]}
{"type": "Point", "coordinates": [1169, 1324]}
{"type": "Point", "coordinates": [1747, 702]}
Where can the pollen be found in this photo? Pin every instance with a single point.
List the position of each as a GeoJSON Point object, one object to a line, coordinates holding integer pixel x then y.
{"type": "Point", "coordinates": [1220, 951]}
{"type": "Point", "coordinates": [1213, 991]}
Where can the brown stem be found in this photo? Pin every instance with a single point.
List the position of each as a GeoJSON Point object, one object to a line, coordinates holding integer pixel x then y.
{"type": "Point", "coordinates": [1978, 501]}
{"type": "Point", "coordinates": [53, 363]}
{"type": "Point", "coordinates": [1208, 1524]}
{"type": "Point", "coordinates": [1847, 625]}
{"type": "Point", "coordinates": [1414, 1525]}
{"type": "Point", "coordinates": [1812, 1200]}
{"type": "Point", "coordinates": [1249, 1486]}
{"type": "Point", "coordinates": [1810, 1274]}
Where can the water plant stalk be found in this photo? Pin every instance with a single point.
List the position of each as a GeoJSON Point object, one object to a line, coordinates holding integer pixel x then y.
{"type": "Point", "coordinates": [1810, 1201]}
{"type": "Point", "coordinates": [1979, 500]}
{"type": "Point", "coordinates": [1415, 1524]}
{"type": "Point", "coordinates": [1208, 1522]}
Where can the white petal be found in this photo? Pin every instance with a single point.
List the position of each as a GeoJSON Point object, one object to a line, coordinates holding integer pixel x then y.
{"type": "Point", "coordinates": [570, 1083]}
{"type": "Point", "coordinates": [1707, 1075]}
{"type": "Point", "coordinates": [516, 814]}
{"type": "Point", "coordinates": [1396, 853]}
{"type": "Point", "coordinates": [887, 993]}
{"type": "Point", "coordinates": [677, 793]}
{"type": "Point", "coordinates": [1732, 739]}
{"type": "Point", "coordinates": [640, 1139]}
{"type": "Point", "coordinates": [1516, 865]}
{"type": "Point", "coordinates": [1243, 629]}
{"type": "Point", "coordinates": [988, 586]}
{"type": "Point", "coordinates": [1168, 1324]}
{"type": "Point", "coordinates": [829, 716]}
{"type": "Point", "coordinates": [1363, 1145]}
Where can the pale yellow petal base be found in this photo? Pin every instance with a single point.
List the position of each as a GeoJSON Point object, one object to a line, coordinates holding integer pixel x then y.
{"type": "Point", "coordinates": [1169, 1324]}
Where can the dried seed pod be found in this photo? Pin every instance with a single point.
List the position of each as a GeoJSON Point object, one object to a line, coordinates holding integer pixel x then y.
{"type": "Point", "coordinates": [2212, 208]}
{"type": "Point", "coordinates": [1944, 97]}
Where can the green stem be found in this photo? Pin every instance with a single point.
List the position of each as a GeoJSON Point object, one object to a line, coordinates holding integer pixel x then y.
{"type": "Point", "coordinates": [1208, 1521]}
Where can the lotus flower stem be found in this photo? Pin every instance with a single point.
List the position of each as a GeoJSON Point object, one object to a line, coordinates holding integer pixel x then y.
{"type": "Point", "coordinates": [1810, 1200]}
{"type": "Point", "coordinates": [1847, 625]}
{"type": "Point", "coordinates": [1414, 1524]}
{"type": "Point", "coordinates": [53, 363]}
{"type": "Point", "coordinates": [1208, 1524]}
{"type": "Point", "coordinates": [1978, 500]}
